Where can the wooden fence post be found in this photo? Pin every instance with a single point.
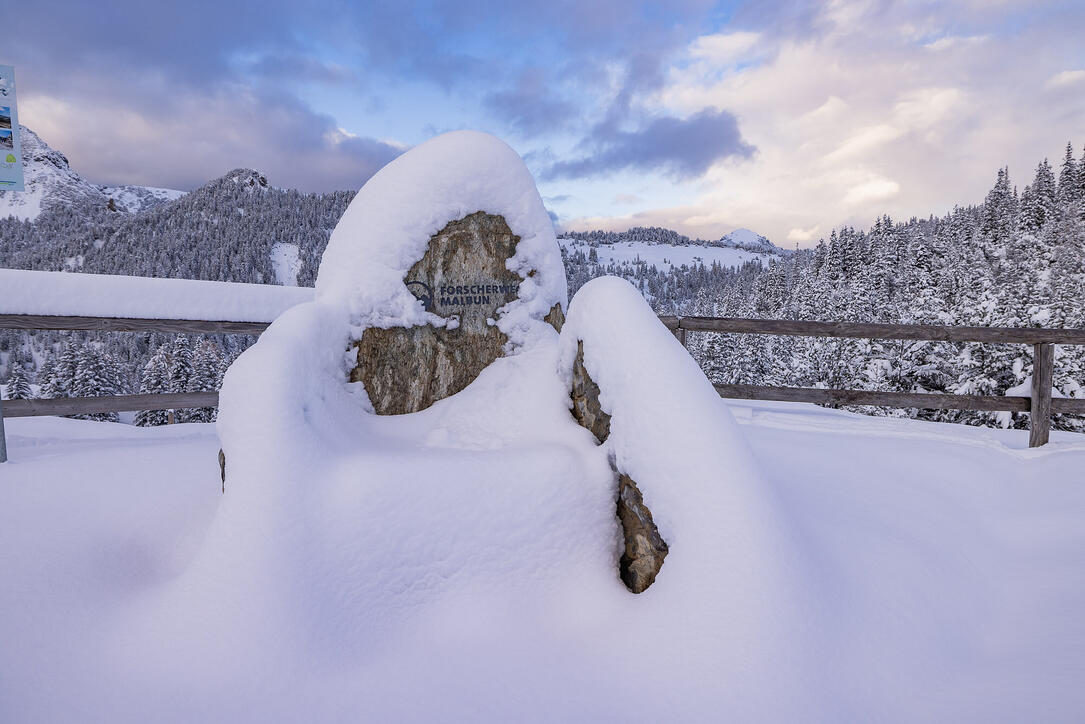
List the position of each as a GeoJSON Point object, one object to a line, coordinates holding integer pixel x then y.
{"type": "Point", "coordinates": [1043, 372]}
{"type": "Point", "coordinates": [3, 440]}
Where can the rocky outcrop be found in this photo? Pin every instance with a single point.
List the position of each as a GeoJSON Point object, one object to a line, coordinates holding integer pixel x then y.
{"type": "Point", "coordinates": [462, 276]}
{"type": "Point", "coordinates": [645, 548]}
{"type": "Point", "coordinates": [585, 392]}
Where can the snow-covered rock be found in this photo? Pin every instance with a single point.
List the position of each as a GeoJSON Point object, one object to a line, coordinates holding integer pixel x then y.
{"type": "Point", "coordinates": [482, 527]}
{"type": "Point", "coordinates": [443, 275]}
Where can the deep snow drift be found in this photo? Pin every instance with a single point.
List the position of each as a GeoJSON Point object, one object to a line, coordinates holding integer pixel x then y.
{"type": "Point", "coordinates": [947, 586]}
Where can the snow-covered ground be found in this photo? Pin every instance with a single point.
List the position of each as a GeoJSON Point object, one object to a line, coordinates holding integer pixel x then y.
{"type": "Point", "coordinates": [665, 256]}
{"type": "Point", "coordinates": [941, 568]}
{"type": "Point", "coordinates": [286, 262]}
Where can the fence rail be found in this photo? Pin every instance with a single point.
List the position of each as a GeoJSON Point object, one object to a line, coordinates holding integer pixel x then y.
{"type": "Point", "coordinates": [129, 324]}
{"type": "Point", "coordinates": [1040, 405]}
{"type": "Point", "coordinates": [112, 403]}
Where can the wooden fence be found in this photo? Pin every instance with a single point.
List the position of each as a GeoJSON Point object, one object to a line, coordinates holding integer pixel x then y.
{"type": "Point", "coordinates": [1039, 405]}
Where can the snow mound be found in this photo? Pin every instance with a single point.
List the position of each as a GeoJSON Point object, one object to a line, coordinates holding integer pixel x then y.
{"type": "Point", "coordinates": [381, 548]}
{"type": "Point", "coordinates": [669, 433]}
{"type": "Point", "coordinates": [387, 227]}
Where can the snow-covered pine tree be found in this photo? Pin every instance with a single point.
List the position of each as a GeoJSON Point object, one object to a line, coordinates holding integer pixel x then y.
{"type": "Point", "coordinates": [155, 379]}
{"type": "Point", "coordinates": [18, 387]}
{"type": "Point", "coordinates": [47, 383]}
{"type": "Point", "coordinates": [94, 377]}
{"type": "Point", "coordinates": [180, 370]}
{"type": "Point", "coordinates": [64, 369]}
{"type": "Point", "coordinates": [206, 365]}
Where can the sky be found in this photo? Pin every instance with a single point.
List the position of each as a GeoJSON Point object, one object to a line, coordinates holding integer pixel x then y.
{"type": "Point", "coordinates": [788, 118]}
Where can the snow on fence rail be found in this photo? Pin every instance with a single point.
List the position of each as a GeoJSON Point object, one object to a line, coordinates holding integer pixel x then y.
{"type": "Point", "coordinates": [1039, 405]}
{"type": "Point", "coordinates": [32, 293]}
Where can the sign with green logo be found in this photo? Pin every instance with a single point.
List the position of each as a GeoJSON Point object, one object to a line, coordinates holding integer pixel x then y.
{"type": "Point", "coordinates": [11, 168]}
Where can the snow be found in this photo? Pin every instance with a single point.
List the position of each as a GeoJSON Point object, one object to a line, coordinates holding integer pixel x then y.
{"type": "Point", "coordinates": [945, 587]}
{"type": "Point", "coordinates": [286, 262]}
{"type": "Point", "coordinates": [387, 226]}
{"type": "Point", "coordinates": [139, 198]}
{"type": "Point", "coordinates": [1025, 389]}
{"type": "Point", "coordinates": [664, 256]}
{"type": "Point", "coordinates": [101, 295]}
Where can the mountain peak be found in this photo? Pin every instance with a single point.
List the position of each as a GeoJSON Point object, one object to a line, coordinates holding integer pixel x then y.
{"type": "Point", "coordinates": [247, 177]}
{"type": "Point", "coordinates": [743, 238]}
{"type": "Point", "coordinates": [51, 182]}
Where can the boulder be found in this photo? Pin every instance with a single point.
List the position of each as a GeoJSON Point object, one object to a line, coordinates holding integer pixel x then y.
{"type": "Point", "coordinates": [463, 278]}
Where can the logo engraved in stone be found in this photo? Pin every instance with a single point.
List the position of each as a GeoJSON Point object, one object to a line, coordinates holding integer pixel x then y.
{"type": "Point", "coordinates": [426, 297]}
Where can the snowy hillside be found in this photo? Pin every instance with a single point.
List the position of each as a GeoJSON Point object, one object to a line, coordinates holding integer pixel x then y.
{"type": "Point", "coordinates": [665, 256]}
{"type": "Point", "coordinates": [139, 198]}
{"type": "Point", "coordinates": [51, 182]}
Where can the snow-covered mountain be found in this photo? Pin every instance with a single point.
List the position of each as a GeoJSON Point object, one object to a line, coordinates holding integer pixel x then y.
{"type": "Point", "coordinates": [750, 240]}
{"type": "Point", "coordinates": [50, 181]}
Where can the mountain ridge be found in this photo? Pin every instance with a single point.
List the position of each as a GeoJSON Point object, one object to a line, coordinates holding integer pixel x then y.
{"type": "Point", "coordinates": [51, 181]}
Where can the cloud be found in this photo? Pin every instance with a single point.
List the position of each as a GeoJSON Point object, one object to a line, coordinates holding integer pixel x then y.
{"type": "Point", "coordinates": [954, 41]}
{"type": "Point", "coordinates": [874, 189]}
{"type": "Point", "coordinates": [803, 235]}
{"type": "Point", "coordinates": [725, 48]}
{"type": "Point", "coordinates": [681, 147]}
{"type": "Point", "coordinates": [528, 68]}
{"type": "Point", "coordinates": [198, 138]}
{"type": "Point", "coordinates": [1065, 79]}
{"type": "Point", "coordinates": [856, 117]}
{"type": "Point", "coordinates": [530, 106]}
{"type": "Point", "coordinates": [863, 141]}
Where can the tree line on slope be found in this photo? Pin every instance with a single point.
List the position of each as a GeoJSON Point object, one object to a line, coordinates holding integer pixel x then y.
{"type": "Point", "coordinates": [1017, 260]}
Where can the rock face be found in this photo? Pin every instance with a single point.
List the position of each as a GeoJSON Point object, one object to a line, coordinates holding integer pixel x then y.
{"type": "Point", "coordinates": [463, 276]}
{"type": "Point", "coordinates": [645, 548]}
